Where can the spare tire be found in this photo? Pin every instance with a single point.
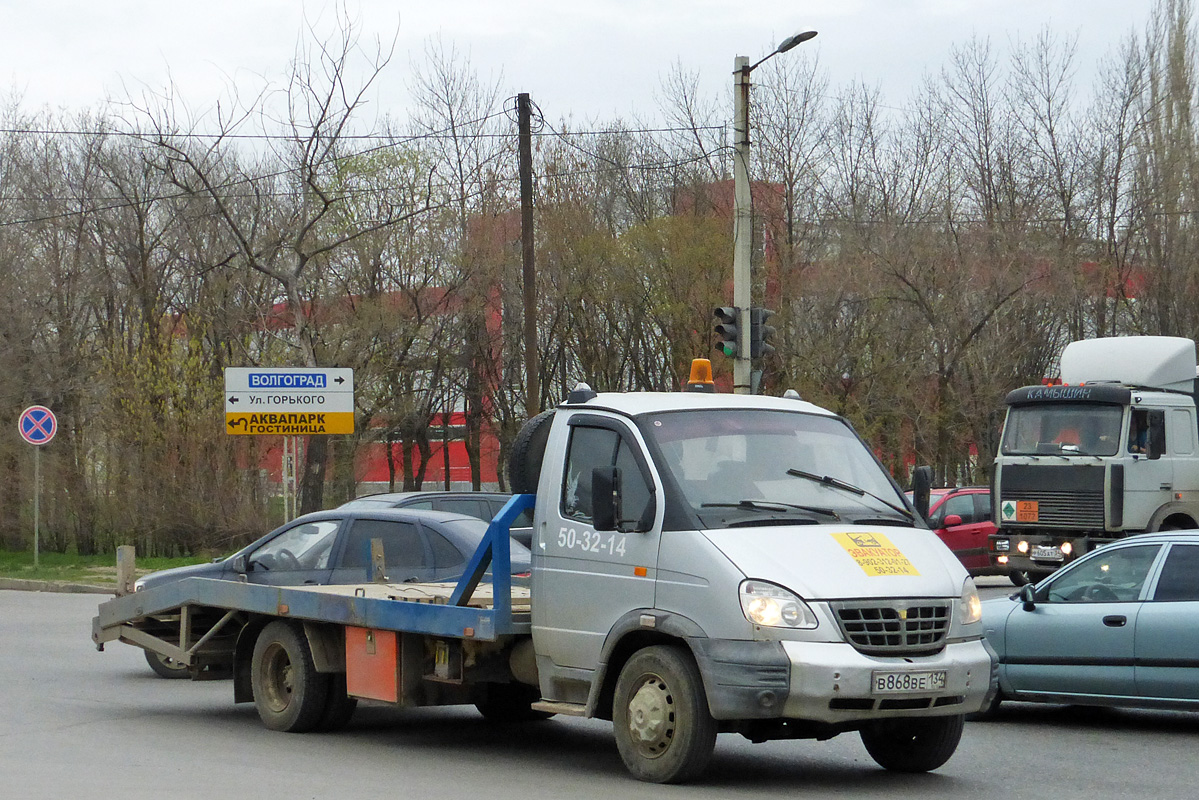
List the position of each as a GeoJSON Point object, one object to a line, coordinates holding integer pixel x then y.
{"type": "Point", "coordinates": [528, 450]}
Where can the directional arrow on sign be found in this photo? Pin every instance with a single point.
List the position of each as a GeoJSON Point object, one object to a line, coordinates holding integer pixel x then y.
{"type": "Point", "coordinates": [233, 399]}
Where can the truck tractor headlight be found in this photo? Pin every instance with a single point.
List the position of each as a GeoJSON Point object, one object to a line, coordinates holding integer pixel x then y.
{"type": "Point", "coordinates": [1067, 548]}
{"type": "Point", "coordinates": [774, 607]}
{"type": "Point", "coordinates": [1022, 547]}
{"type": "Point", "coordinates": [972, 605]}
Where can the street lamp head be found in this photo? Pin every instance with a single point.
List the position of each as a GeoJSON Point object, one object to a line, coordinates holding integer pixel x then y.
{"type": "Point", "coordinates": [787, 44]}
{"type": "Point", "coordinates": [791, 41]}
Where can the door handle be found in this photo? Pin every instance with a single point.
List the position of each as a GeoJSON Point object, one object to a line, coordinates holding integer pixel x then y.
{"type": "Point", "coordinates": [1115, 621]}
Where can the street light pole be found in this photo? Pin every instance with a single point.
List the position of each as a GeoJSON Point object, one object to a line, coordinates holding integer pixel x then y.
{"type": "Point", "coordinates": [742, 222]}
{"type": "Point", "coordinates": [743, 208]}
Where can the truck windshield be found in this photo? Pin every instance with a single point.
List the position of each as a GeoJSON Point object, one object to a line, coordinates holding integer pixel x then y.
{"type": "Point", "coordinates": [723, 457]}
{"type": "Point", "coordinates": [1091, 429]}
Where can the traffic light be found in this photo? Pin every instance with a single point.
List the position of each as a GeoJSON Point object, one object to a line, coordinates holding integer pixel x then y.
{"type": "Point", "coordinates": [760, 334]}
{"type": "Point", "coordinates": [728, 330]}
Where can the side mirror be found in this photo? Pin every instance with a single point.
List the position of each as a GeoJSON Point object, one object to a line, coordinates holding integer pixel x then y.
{"type": "Point", "coordinates": [922, 482]}
{"type": "Point", "coordinates": [951, 521]}
{"type": "Point", "coordinates": [605, 498]}
{"type": "Point", "coordinates": [241, 564]}
{"type": "Point", "coordinates": [1028, 596]}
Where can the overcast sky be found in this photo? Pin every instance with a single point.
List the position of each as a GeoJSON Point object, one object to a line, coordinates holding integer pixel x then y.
{"type": "Point", "coordinates": [590, 59]}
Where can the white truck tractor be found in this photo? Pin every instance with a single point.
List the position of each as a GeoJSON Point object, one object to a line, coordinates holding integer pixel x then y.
{"type": "Point", "coordinates": [1108, 452]}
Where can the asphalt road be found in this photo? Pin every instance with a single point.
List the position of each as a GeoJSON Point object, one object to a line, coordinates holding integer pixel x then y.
{"type": "Point", "coordinates": [75, 723]}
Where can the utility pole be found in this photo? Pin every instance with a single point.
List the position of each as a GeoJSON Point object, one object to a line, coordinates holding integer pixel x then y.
{"type": "Point", "coordinates": [743, 229]}
{"type": "Point", "coordinates": [528, 273]}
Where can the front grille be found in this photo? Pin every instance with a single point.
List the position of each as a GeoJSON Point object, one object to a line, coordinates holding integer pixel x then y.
{"type": "Point", "coordinates": [1060, 509]}
{"type": "Point", "coordinates": [897, 627]}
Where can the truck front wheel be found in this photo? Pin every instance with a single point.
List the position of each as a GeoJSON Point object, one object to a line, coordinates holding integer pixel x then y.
{"type": "Point", "coordinates": [664, 730]}
{"type": "Point", "coordinates": [914, 744]}
{"type": "Point", "coordinates": [289, 693]}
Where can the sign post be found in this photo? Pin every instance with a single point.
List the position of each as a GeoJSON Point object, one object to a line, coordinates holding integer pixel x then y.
{"type": "Point", "coordinates": [37, 427]}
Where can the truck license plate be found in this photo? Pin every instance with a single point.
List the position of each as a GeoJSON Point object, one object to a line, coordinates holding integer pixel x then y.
{"type": "Point", "coordinates": [908, 682]}
{"type": "Point", "coordinates": [1046, 552]}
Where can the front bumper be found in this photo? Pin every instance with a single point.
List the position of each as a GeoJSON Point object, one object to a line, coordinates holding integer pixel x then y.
{"type": "Point", "coordinates": [831, 682]}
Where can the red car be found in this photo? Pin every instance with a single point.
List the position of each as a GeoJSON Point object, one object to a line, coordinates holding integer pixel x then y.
{"type": "Point", "coordinates": [962, 518]}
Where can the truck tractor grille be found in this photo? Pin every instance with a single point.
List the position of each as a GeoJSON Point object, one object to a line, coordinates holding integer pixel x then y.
{"type": "Point", "coordinates": [896, 627]}
{"type": "Point", "coordinates": [1061, 509]}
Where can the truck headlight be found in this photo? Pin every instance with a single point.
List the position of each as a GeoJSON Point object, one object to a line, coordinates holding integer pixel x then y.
{"type": "Point", "coordinates": [773, 606]}
{"type": "Point", "coordinates": [972, 605]}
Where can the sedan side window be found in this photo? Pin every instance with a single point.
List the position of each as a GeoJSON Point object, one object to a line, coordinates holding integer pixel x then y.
{"type": "Point", "coordinates": [1179, 580]}
{"type": "Point", "coordinates": [1115, 575]}
{"type": "Point", "coordinates": [402, 544]}
{"type": "Point", "coordinates": [445, 555]}
{"type": "Point", "coordinates": [468, 506]}
{"type": "Point", "coordinates": [960, 504]}
{"type": "Point", "coordinates": [305, 546]}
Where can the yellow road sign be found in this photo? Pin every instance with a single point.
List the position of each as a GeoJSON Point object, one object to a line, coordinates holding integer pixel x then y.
{"type": "Point", "coordinates": [288, 423]}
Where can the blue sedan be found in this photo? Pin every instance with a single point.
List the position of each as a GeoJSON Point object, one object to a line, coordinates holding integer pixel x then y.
{"type": "Point", "coordinates": [1117, 627]}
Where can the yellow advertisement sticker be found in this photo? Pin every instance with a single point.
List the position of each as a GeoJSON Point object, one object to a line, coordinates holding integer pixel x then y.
{"type": "Point", "coordinates": [875, 554]}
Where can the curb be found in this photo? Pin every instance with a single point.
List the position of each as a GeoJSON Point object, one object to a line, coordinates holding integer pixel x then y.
{"type": "Point", "coordinates": [20, 584]}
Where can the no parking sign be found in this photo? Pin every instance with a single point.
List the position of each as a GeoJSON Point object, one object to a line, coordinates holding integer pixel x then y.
{"type": "Point", "coordinates": [37, 425]}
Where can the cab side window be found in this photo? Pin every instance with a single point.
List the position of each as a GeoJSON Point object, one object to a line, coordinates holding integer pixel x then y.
{"type": "Point", "coordinates": [1147, 432]}
{"type": "Point", "coordinates": [589, 448]}
{"type": "Point", "coordinates": [600, 447]}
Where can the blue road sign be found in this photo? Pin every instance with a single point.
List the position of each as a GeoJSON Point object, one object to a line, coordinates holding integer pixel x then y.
{"type": "Point", "coordinates": [37, 425]}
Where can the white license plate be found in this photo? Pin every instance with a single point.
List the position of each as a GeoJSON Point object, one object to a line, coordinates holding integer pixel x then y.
{"type": "Point", "coordinates": [1046, 553]}
{"type": "Point", "coordinates": [907, 682]}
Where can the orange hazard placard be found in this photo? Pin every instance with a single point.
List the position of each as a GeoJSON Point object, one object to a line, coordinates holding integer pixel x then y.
{"type": "Point", "coordinates": [875, 554]}
{"type": "Point", "coordinates": [1026, 511]}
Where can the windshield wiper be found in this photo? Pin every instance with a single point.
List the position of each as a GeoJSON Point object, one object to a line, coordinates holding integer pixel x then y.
{"type": "Point", "coordinates": [773, 505]}
{"type": "Point", "coordinates": [829, 480]}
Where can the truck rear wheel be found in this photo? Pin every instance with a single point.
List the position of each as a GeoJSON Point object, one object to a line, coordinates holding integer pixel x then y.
{"type": "Point", "coordinates": [528, 451]}
{"type": "Point", "coordinates": [289, 693]}
{"type": "Point", "coordinates": [339, 706]}
{"type": "Point", "coordinates": [913, 744]}
{"type": "Point", "coordinates": [165, 666]}
{"type": "Point", "coordinates": [664, 730]}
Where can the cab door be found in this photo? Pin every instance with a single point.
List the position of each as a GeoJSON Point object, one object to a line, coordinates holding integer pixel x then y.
{"type": "Point", "coordinates": [585, 580]}
{"type": "Point", "coordinates": [1148, 477]}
